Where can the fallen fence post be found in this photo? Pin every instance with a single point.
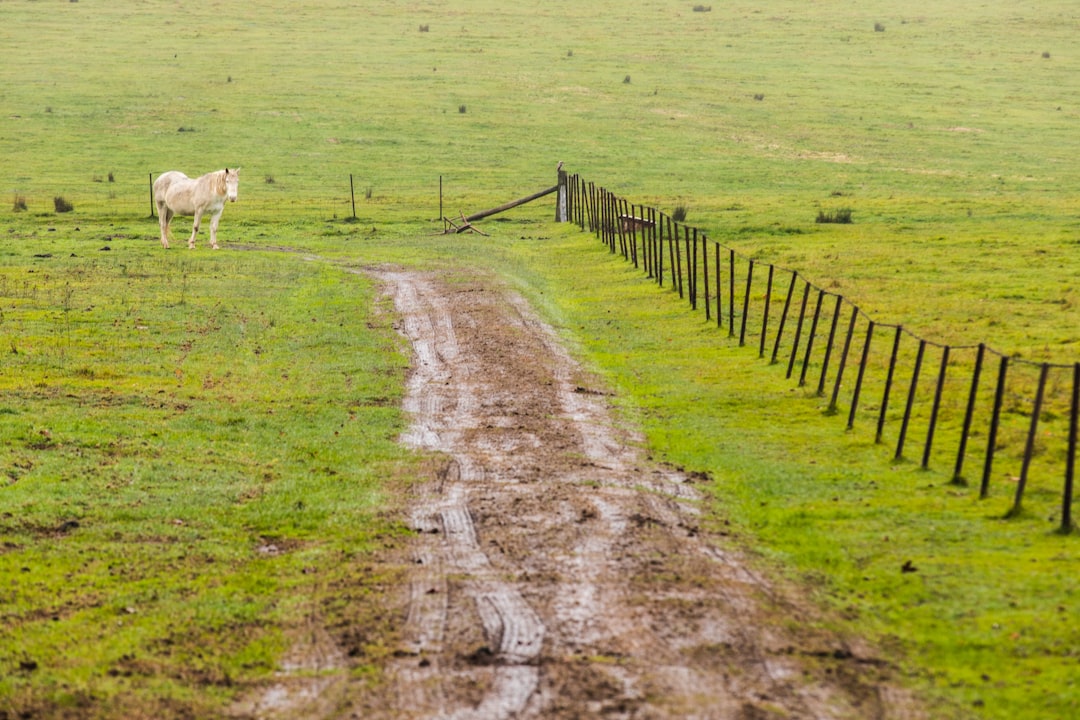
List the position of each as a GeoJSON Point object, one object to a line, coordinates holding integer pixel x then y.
{"type": "Point", "coordinates": [512, 204]}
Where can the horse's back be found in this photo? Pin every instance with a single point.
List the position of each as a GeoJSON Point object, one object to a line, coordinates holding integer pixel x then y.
{"type": "Point", "coordinates": [176, 191]}
{"type": "Point", "coordinates": [165, 181]}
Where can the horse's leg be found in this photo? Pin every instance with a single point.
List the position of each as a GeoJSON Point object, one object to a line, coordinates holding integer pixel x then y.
{"type": "Point", "coordinates": [214, 220]}
{"type": "Point", "coordinates": [164, 216]}
{"type": "Point", "coordinates": [194, 229]}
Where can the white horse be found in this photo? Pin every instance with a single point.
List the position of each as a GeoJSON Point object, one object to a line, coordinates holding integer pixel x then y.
{"type": "Point", "coordinates": [177, 194]}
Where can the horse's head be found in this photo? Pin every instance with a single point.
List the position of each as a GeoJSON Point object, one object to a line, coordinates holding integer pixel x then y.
{"type": "Point", "coordinates": [232, 183]}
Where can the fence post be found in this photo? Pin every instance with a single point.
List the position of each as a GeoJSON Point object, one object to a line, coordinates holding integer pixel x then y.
{"type": "Point", "coordinates": [969, 413]}
{"type": "Point", "coordinates": [798, 330]}
{"type": "Point", "coordinates": [562, 210]}
{"type": "Point", "coordinates": [1029, 446]}
{"type": "Point", "coordinates": [888, 384]}
{"type": "Point", "coordinates": [859, 377]}
{"type": "Point", "coordinates": [719, 287]}
{"type": "Point", "coordinates": [674, 238]}
{"type": "Point", "coordinates": [829, 347]}
{"type": "Point", "coordinates": [352, 196]}
{"type": "Point", "coordinates": [783, 317]}
{"type": "Point", "coordinates": [936, 407]}
{"type": "Point", "coordinates": [995, 419]}
{"type": "Point", "coordinates": [1070, 459]}
{"type": "Point", "coordinates": [731, 293]}
{"type": "Point", "coordinates": [910, 399]}
{"type": "Point", "coordinates": [843, 359]}
{"type": "Point", "coordinates": [705, 277]}
{"type": "Point", "coordinates": [810, 339]}
{"type": "Point", "coordinates": [746, 303]}
{"type": "Point", "coordinates": [765, 314]}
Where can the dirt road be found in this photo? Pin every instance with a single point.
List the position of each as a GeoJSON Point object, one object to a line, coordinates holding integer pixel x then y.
{"type": "Point", "coordinates": [556, 573]}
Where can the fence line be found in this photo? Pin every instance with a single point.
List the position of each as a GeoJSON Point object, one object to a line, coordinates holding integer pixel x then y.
{"type": "Point", "coordinates": [944, 388]}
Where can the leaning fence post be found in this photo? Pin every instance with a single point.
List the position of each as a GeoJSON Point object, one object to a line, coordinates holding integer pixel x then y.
{"type": "Point", "coordinates": [719, 288]}
{"type": "Point", "coordinates": [910, 399]}
{"type": "Point", "coordinates": [731, 292]}
{"type": "Point", "coordinates": [936, 407]}
{"type": "Point", "coordinates": [352, 196]}
{"type": "Point", "coordinates": [843, 359]}
{"type": "Point", "coordinates": [746, 303]}
{"type": "Point", "coordinates": [765, 313]}
{"type": "Point", "coordinates": [705, 276]}
{"type": "Point", "coordinates": [810, 338]}
{"type": "Point", "coordinates": [783, 317]}
{"type": "Point", "coordinates": [678, 258]}
{"type": "Point", "coordinates": [969, 413]}
{"type": "Point", "coordinates": [829, 347]}
{"type": "Point", "coordinates": [995, 419]}
{"type": "Point", "coordinates": [1029, 446]}
{"type": "Point", "coordinates": [798, 330]}
{"type": "Point", "coordinates": [692, 266]}
{"type": "Point", "coordinates": [1070, 459]}
{"type": "Point", "coordinates": [888, 384]}
{"type": "Point", "coordinates": [859, 377]}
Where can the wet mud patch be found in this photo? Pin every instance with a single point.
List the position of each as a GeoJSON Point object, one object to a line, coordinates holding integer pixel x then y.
{"type": "Point", "coordinates": [556, 572]}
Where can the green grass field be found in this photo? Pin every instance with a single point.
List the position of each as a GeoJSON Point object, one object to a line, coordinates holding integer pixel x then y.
{"type": "Point", "coordinates": [198, 449]}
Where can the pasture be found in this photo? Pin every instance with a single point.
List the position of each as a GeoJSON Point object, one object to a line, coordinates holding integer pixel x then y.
{"type": "Point", "coordinates": [198, 449]}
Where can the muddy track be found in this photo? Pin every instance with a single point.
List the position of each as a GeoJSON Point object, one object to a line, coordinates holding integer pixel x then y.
{"type": "Point", "coordinates": [558, 574]}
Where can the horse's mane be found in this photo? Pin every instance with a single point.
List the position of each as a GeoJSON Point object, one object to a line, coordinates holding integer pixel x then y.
{"type": "Point", "coordinates": [219, 182]}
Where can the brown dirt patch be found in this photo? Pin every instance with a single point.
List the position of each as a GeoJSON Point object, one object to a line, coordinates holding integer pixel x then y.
{"type": "Point", "coordinates": [555, 572]}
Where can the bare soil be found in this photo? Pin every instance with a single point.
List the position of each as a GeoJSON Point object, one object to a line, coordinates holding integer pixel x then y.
{"type": "Point", "coordinates": [555, 571]}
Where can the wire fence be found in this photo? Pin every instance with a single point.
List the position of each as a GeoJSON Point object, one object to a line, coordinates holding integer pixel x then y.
{"type": "Point", "coordinates": [263, 196]}
{"type": "Point", "coordinates": [970, 408]}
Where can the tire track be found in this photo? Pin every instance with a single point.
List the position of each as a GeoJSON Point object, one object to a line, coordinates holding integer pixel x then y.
{"type": "Point", "coordinates": [559, 575]}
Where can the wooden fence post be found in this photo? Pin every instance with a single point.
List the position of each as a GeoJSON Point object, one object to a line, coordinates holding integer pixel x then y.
{"type": "Point", "coordinates": [798, 330]}
{"type": "Point", "coordinates": [859, 377]}
{"type": "Point", "coordinates": [888, 385]}
{"type": "Point", "coordinates": [746, 303]}
{"type": "Point", "coordinates": [969, 414]}
{"type": "Point", "coordinates": [1070, 458]}
{"type": "Point", "coordinates": [829, 347]}
{"type": "Point", "coordinates": [783, 317]}
{"type": "Point", "coordinates": [912, 389]}
{"type": "Point", "coordinates": [562, 200]}
{"type": "Point", "coordinates": [995, 419]}
{"type": "Point", "coordinates": [1029, 446]}
{"type": "Point", "coordinates": [765, 314]}
{"type": "Point", "coordinates": [936, 407]}
{"type": "Point", "coordinates": [843, 359]}
{"type": "Point", "coordinates": [810, 338]}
